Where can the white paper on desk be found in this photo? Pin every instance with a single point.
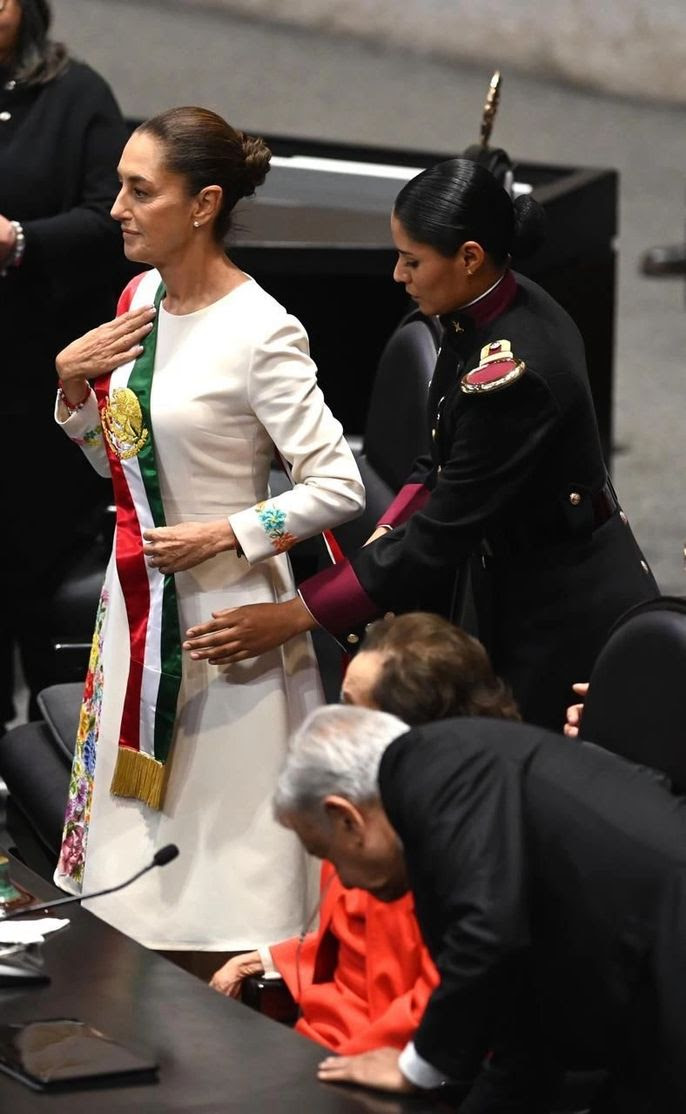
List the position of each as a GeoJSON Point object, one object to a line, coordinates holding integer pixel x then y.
{"type": "Point", "coordinates": [30, 931]}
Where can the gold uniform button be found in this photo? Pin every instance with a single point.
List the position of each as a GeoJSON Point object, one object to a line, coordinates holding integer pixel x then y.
{"type": "Point", "coordinates": [623, 518]}
{"type": "Point", "coordinates": [353, 639]}
{"type": "Point", "coordinates": [644, 566]}
{"type": "Point", "coordinates": [433, 434]}
{"type": "Point", "coordinates": [574, 498]}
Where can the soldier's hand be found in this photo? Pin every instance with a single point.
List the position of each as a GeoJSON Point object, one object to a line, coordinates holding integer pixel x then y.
{"type": "Point", "coordinates": [238, 633]}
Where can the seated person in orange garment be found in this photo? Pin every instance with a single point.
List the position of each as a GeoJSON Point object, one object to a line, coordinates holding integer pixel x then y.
{"type": "Point", "coordinates": [363, 979]}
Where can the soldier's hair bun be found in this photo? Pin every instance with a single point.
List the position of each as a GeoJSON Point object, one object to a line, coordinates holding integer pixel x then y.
{"type": "Point", "coordinates": [530, 226]}
{"type": "Point", "coordinates": [256, 157]}
{"type": "Point", "coordinates": [459, 200]}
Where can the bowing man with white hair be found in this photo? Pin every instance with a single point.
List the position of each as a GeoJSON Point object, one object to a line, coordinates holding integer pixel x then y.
{"type": "Point", "coordinates": [549, 882]}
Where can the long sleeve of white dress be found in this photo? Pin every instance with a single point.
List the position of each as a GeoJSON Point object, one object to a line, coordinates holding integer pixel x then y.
{"type": "Point", "coordinates": [327, 487]}
{"type": "Point", "coordinates": [84, 428]}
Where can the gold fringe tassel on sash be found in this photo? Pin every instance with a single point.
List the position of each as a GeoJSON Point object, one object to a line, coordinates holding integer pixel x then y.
{"type": "Point", "coordinates": [138, 775]}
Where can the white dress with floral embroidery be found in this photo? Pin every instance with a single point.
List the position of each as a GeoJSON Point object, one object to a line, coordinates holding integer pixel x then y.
{"type": "Point", "coordinates": [230, 381]}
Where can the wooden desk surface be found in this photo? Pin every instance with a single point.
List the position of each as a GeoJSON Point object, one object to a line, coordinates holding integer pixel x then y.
{"type": "Point", "coordinates": [215, 1054]}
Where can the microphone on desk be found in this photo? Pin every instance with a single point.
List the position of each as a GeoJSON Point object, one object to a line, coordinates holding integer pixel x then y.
{"type": "Point", "coordinates": [165, 855]}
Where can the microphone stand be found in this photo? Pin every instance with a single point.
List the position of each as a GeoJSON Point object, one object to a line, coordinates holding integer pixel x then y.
{"type": "Point", "coordinates": [161, 858]}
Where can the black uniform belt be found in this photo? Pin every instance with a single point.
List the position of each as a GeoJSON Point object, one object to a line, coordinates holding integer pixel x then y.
{"type": "Point", "coordinates": [575, 516]}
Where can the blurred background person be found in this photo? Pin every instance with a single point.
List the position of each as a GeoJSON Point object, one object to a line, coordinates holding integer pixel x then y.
{"type": "Point", "coordinates": [61, 265]}
{"type": "Point", "coordinates": [363, 979]}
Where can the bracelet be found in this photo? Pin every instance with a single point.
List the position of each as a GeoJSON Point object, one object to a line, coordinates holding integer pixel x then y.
{"type": "Point", "coordinates": [17, 253]}
{"type": "Point", "coordinates": [19, 245]}
{"type": "Point", "coordinates": [71, 406]}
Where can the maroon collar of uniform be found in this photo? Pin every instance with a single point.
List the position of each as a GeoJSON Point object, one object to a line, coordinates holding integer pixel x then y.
{"type": "Point", "coordinates": [484, 310]}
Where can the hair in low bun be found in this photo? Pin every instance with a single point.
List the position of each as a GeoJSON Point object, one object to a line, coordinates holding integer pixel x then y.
{"type": "Point", "coordinates": [459, 200]}
{"type": "Point", "coordinates": [530, 226]}
{"type": "Point", "coordinates": [257, 157]}
{"type": "Point", "coordinates": [207, 151]}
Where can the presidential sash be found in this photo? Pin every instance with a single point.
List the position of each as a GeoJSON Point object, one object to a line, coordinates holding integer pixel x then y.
{"type": "Point", "coordinates": [149, 713]}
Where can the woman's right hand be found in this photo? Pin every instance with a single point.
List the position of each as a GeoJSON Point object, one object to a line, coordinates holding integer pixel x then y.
{"type": "Point", "coordinates": [103, 349]}
{"type": "Point", "coordinates": [227, 979]}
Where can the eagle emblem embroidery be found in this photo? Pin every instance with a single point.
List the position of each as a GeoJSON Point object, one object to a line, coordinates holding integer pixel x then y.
{"type": "Point", "coordinates": [498, 368]}
{"type": "Point", "coordinates": [122, 422]}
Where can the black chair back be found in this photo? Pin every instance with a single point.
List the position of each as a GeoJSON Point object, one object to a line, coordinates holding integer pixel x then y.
{"type": "Point", "coordinates": [636, 702]}
{"type": "Point", "coordinates": [397, 428]}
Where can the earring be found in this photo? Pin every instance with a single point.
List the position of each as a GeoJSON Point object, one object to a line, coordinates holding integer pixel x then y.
{"type": "Point", "coordinates": [196, 224]}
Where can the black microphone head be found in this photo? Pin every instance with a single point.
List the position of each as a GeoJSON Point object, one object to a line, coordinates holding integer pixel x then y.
{"type": "Point", "coordinates": [165, 854]}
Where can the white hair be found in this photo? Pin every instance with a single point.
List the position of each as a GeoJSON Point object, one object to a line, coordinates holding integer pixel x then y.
{"type": "Point", "coordinates": [336, 750]}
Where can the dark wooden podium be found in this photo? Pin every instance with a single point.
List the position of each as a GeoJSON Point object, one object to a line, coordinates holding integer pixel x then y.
{"type": "Point", "coordinates": [317, 237]}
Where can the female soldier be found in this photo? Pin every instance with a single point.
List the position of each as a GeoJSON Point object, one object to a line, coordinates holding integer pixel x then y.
{"type": "Point", "coordinates": [516, 483]}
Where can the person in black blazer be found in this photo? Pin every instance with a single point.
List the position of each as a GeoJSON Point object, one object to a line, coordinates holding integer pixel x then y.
{"type": "Point", "coordinates": [61, 269]}
{"type": "Point", "coordinates": [549, 881]}
{"type": "Point", "coordinates": [515, 488]}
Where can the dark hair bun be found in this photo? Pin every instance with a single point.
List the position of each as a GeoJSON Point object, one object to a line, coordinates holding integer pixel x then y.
{"type": "Point", "coordinates": [530, 226]}
{"type": "Point", "coordinates": [257, 156]}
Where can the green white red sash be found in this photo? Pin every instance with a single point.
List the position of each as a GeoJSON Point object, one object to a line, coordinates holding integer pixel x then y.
{"type": "Point", "coordinates": [149, 713]}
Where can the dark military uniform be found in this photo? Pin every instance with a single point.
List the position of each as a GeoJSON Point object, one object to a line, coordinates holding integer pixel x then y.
{"type": "Point", "coordinates": [517, 486]}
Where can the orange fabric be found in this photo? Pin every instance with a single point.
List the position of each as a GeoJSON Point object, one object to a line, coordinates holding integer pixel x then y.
{"type": "Point", "coordinates": [364, 977]}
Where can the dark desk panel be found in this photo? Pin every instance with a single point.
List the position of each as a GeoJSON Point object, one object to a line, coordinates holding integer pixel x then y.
{"type": "Point", "coordinates": [215, 1054]}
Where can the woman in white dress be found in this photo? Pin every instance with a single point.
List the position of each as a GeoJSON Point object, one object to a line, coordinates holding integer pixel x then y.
{"type": "Point", "coordinates": [198, 378]}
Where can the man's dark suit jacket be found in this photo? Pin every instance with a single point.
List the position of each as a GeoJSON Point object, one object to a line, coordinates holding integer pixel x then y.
{"type": "Point", "coordinates": [549, 879]}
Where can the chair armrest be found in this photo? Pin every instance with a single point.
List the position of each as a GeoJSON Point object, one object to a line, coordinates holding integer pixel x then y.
{"type": "Point", "coordinates": [271, 997]}
{"type": "Point", "coordinates": [355, 443]}
{"type": "Point", "coordinates": [60, 706]}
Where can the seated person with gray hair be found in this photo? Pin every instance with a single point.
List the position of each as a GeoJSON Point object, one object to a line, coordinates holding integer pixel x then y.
{"type": "Point", "coordinates": [549, 883]}
{"type": "Point", "coordinates": [363, 979]}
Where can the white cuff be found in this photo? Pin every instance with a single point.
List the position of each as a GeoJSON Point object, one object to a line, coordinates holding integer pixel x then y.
{"type": "Point", "coordinates": [269, 971]}
{"type": "Point", "coordinates": [420, 1071]}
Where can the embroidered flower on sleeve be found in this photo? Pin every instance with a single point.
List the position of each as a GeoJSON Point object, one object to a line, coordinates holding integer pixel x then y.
{"type": "Point", "coordinates": [274, 522]}
{"type": "Point", "coordinates": [90, 438]}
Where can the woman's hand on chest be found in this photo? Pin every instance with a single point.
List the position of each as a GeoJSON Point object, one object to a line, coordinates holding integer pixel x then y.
{"type": "Point", "coordinates": [105, 348]}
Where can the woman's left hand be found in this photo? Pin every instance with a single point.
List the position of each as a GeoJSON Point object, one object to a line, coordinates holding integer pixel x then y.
{"type": "Point", "coordinates": [244, 632]}
{"type": "Point", "coordinates": [378, 1069]}
{"type": "Point", "coordinates": [8, 238]}
{"type": "Point", "coordinates": [176, 548]}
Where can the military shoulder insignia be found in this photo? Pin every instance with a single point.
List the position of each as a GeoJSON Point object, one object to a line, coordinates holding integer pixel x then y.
{"type": "Point", "coordinates": [498, 368]}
